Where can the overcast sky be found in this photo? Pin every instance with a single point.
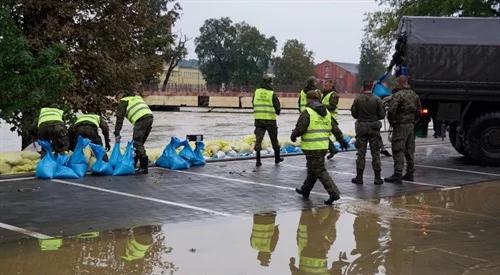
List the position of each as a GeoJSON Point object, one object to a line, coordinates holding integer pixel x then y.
{"type": "Point", "coordinates": [332, 29]}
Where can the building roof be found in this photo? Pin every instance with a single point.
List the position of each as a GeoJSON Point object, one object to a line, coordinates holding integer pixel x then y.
{"type": "Point", "coordinates": [191, 63]}
{"type": "Point", "coordinates": [350, 67]}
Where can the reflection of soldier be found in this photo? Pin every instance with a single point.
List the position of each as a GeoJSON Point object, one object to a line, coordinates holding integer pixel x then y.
{"type": "Point", "coordinates": [367, 109]}
{"type": "Point", "coordinates": [366, 234]}
{"type": "Point", "coordinates": [403, 110]}
{"type": "Point", "coordinates": [265, 235]}
{"type": "Point", "coordinates": [139, 241]}
{"type": "Point", "coordinates": [315, 235]}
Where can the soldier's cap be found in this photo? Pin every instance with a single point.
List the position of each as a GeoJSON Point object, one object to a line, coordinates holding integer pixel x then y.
{"type": "Point", "coordinates": [314, 94]}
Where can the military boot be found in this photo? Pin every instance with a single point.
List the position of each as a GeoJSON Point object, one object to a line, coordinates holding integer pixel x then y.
{"type": "Point", "coordinates": [143, 165]}
{"type": "Point", "coordinates": [359, 177]}
{"type": "Point", "coordinates": [305, 194]}
{"type": "Point", "coordinates": [333, 197]}
{"type": "Point", "coordinates": [386, 153]}
{"type": "Point", "coordinates": [378, 178]}
{"type": "Point", "coordinates": [408, 176]}
{"type": "Point", "coordinates": [396, 178]}
{"type": "Point", "coordinates": [257, 157]}
{"type": "Point", "coordinates": [277, 157]}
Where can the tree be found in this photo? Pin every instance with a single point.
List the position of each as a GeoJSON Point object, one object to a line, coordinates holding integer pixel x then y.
{"type": "Point", "coordinates": [235, 54]}
{"type": "Point", "coordinates": [175, 55]}
{"type": "Point", "coordinates": [27, 80]}
{"type": "Point", "coordinates": [295, 65]}
{"type": "Point", "coordinates": [384, 23]}
{"type": "Point", "coordinates": [372, 59]}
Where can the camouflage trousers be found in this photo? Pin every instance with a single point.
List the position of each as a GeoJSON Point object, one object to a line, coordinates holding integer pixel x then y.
{"type": "Point", "coordinates": [142, 128]}
{"type": "Point", "coordinates": [403, 147]}
{"type": "Point", "coordinates": [57, 134]}
{"type": "Point", "coordinates": [316, 170]}
{"type": "Point", "coordinates": [260, 131]}
{"type": "Point", "coordinates": [368, 132]}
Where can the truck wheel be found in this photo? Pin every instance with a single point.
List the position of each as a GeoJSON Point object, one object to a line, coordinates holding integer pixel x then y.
{"type": "Point", "coordinates": [483, 139]}
{"type": "Point", "coordinates": [457, 141]}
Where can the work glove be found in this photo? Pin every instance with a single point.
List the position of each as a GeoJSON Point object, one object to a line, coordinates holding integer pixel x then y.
{"type": "Point", "coordinates": [293, 138]}
{"type": "Point", "coordinates": [344, 145]}
{"type": "Point", "coordinates": [108, 146]}
{"type": "Point", "coordinates": [118, 139]}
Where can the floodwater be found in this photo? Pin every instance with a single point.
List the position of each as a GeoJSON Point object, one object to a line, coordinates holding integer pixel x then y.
{"type": "Point", "coordinates": [227, 124]}
{"type": "Point", "coordinates": [452, 231]}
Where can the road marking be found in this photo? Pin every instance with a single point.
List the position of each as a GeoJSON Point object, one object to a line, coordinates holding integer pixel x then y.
{"type": "Point", "coordinates": [17, 179]}
{"type": "Point", "coordinates": [245, 181]}
{"type": "Point", "coordinates": [438, 168]}
{"type": "Point", "coordinates": [451, 188]}
{"type": "Point", "coordinates": [353, 174]}
{"type": "Point", "coordinates": [24, 231]}
{"type": "Point", "coordinates": [144, 198]}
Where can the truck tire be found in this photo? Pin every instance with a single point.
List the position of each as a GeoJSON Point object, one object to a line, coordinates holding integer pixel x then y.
{"type": "Point", "coordinates": [457, 141]}
{"type": "Point", "coordinates": [483, 139]}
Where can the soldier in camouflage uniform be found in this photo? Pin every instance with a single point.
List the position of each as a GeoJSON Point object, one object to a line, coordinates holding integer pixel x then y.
{"type": "Point", "coordinates": [331, 101]}
{"type": "Point", "coordinates": [367, 109]}
{"type": "Point", "coordinates": [403, 110]}
{"type": "Point", "coordinates": [314, 126]}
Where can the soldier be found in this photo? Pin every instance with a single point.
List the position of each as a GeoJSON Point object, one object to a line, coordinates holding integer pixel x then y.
{"type": "Point", "coordinates": [50, 126]}
{"type": "Point", "coordinates": [314, 126]}
{"type": "Point", "coordinates": [310, 85]}
{"type": "Point", "coordinates": [367, 109]}
{"type": "Point", "coordinates": [403, 110]}
{"type": "Point", "coordinates": [266, 106]}
{"type": "Point", "coordinates": [86, 126]}
{"type": "Point", "coordinates": [265, 235]}
{"type": "Point", "coordinates": [331, 101]}
{"type": "Point", "coordinates": [141, 117]}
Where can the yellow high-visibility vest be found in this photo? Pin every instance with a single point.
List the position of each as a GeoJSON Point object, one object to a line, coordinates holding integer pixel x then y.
{"type": "Point", "coordinates": [136, 108]}
{"type": "Point", "coordinates": [313, 265]}
{"type": "Point", "coordinates": [93, 119]}
{"type": "Point", "coordinates": [263, 107]}
{"type": "Point", "coordinates": [135, 250]}
{"type": "Point", "coordinates": [318, 132]}
{"type": "Point", "coordinates": [50, 114]}
{"type": "Point", "coordinates": [262, 235]}
{"type": "Point", "coordinates": [302, 101]}
{"type": "Point", "coordinates": [326, 102]}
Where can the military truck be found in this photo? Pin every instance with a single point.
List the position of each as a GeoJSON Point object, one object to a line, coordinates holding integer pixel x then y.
{"type": "Point", "coordinates": [454, 66]}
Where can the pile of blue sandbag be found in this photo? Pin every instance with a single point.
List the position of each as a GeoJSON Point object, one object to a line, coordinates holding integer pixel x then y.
{"type": "Point", "coordinates": [174, 159]}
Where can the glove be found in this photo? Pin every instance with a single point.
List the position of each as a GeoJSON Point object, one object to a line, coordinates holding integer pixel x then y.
{"type": "Point", "coordinates": [117, 139]}
{"type": "Point", "coordinates": [108, 146]}
{"type": "Point", "coordinates": [344, 145]}
{"type": "Point", "coordinates": [293, 138]}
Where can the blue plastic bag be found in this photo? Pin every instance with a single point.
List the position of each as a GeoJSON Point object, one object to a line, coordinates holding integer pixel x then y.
{"type": "Point", "coordinates": [100, 167]}
{"type": "Point", "coordinates": [77, 161]}
{"type": "Point", "coordinates": [198, 154]}
{"type": "Point", "coordinates": [126, 166]}
{"type": "Point", "coordinates": [380, 90]}
{"type": "Point", "coordinates": [169, 158]}
{"type": "Point", "coordinates": [116, 156]}
{"type": "Point", "coordinates": [47, 166]}
{"type": "Point", "coordinates": [63, 171]}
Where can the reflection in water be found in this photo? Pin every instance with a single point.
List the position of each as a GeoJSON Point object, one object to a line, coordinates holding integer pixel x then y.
{"type": "Point", "coordinates": [139, 250]}
{"type": "Point", "coordinates": [265, 235]}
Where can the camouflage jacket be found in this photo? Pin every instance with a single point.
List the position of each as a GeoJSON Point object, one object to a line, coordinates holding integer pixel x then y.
{"type": "Point", "coordinates": [404, 106]}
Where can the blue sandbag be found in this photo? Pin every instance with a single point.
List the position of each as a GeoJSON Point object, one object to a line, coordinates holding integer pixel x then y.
{"type": "Point", "coordinates": [169, 158]}
{"type": "Point", "coordinates": [380, 90]}
{"type": "Point", "coordinates": [47, 166]}
{"type": "Point", "coordinates": [63, 171]}
{"type": "Point", "coordinates": [100, 167]}
{"type": "Point", "coordinates": [77, 161]}
{"type": "Point", "coordinates": [116, 156]}
{"type": "Point", "coordinates": [198, 154]}
{"type": "Point", "coordinates": [126, 166]}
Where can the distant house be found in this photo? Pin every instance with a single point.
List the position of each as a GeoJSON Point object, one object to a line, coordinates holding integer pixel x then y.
{"type": "Point", "coordinates": [344, 75]}
{"type": "Point", "coordinates": [186, 73]}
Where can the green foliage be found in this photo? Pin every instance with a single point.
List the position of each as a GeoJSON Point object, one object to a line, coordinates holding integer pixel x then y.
{"type": "Point", "coordinates": [382, 24]}
{"type": "Point", "coordinates": [295, 65]}
{"type": "Point", "coordinates": [372, 59]}
{"type": "Point", "coordinates": [28, 81]}
{"type": "Point", "coordinates": [230, 53]}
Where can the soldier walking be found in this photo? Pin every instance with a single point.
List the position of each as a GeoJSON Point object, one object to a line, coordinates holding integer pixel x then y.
{"type": "Point", "coordinates": [367, 109]}
{"type": "Point", "coordinates": [331, 101]}
{"type": "Point", "coordinates": [404, 108]}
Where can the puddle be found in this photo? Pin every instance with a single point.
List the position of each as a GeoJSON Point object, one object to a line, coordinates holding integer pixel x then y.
{"type": "Point", "coordinates": [439, 232]}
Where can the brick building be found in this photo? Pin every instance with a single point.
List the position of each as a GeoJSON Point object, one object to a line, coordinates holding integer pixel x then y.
{"type": "Point", "coordinates": [344, 75]}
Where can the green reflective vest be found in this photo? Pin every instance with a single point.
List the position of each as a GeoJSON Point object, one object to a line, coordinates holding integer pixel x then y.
{"type": "Point", "coordinates": [50, 244]}
{"type": "Point", "coordinates": [50, 114]}
{"type": "Point", "coordinates": [262, 235]}
{"type": "Point", "coordinates": [93, 119]}
{"type": "Point", "coordinates": [135, 250]}
{"type": "Point", "coordinates": [136, 108]}
{"type": "Point", "coordinates": [301, 237]}
{"type": "Point", "coordinates": [313, 265]}
{"type": "Point", "coordinates": [326, 102]}
{"type": "Point", "coordinates": [263, 107]}
{"type": "Point", "coordinates": [318, 132]}
{"type": "Point", "coordinates": [302, 101]}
